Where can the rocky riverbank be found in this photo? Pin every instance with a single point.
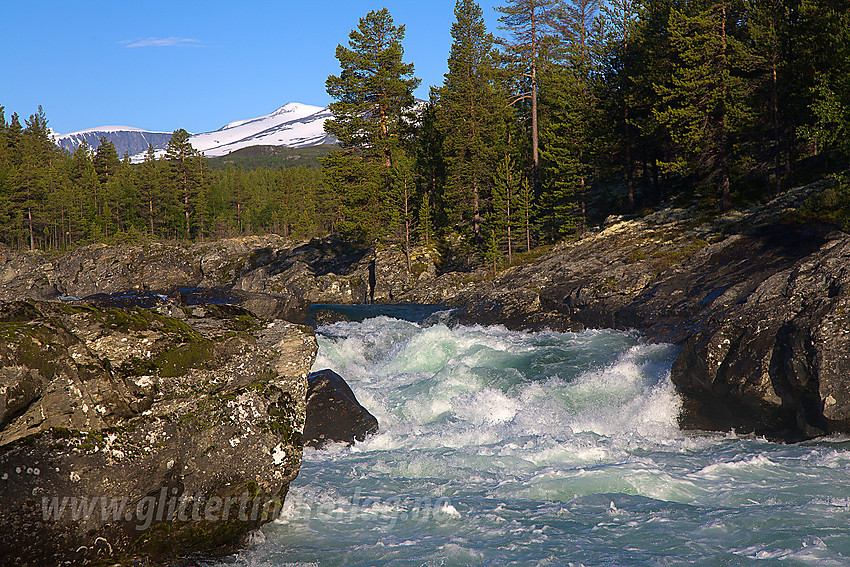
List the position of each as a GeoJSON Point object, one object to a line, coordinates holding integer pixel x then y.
{"type": "Point", "coordinates": [138, 435]}
{"type": "Point", "coordinates": [759, 305]}
{"type": "Point", "coordinates": [756, 302]}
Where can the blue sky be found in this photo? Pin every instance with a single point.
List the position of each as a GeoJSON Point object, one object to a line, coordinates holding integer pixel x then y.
{"type": "Point", "coordinates": [162, 65]}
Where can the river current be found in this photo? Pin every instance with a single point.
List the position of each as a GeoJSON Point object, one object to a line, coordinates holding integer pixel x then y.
{"type": "Point", "coordinates": [517, 448]}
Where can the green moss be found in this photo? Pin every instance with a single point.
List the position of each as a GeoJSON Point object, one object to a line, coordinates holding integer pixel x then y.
{"type": "Point", "coordinates": [178, 361]}
{"type": "Point", "coordinates": [33, 346]}
{"type": "Point", "coordinates": [636, 255]}
{"type": "Point", "coordinates": [417, 270]}
{"type": "Point", "coordinates": [165, 539]}
{"type": "Point", "coordinates": [244, 322]}
{"type": "Point", "coordinates": [126, 320]}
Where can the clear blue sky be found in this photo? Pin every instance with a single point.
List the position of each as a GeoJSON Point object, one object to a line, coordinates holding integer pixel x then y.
{"type": "Point", "coordinates": [162, 65]}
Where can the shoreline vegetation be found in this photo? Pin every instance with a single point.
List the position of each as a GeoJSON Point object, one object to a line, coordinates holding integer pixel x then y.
{"type": "Point", "coordinates": [570, 113]}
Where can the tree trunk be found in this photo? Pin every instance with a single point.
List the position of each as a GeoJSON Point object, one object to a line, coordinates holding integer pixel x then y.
{"type": "Point", "coordinates": [476, 213]}
{"type": "Point", "coordinates": [535, 153]}
{"type": "Point", "coordinates": [407, 228]}
{"type": "Point", "coordinates": [32, 237]}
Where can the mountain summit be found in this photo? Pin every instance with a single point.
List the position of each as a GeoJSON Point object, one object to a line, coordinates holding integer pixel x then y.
{"type": "Point", "coordinates": [294, 125]}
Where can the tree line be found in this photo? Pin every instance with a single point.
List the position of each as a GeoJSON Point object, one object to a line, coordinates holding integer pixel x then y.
{"type": "Point", "coordinates": [54, 200]}
{"type": "Point", "coordinates": [583, 108]}
{"type": "Point", "coordinates": [573, 110]}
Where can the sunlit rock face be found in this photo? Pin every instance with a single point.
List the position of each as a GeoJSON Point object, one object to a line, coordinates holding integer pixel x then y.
{"type": "Point", "coordinates": [140, 434]}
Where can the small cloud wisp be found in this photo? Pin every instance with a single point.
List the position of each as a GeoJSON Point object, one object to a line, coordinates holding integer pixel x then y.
{"type": "Point", "coordinates": [163, 42]}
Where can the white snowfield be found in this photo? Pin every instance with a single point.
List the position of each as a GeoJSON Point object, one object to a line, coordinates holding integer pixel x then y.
{"type": "Point", "coordinates": [294, 125]}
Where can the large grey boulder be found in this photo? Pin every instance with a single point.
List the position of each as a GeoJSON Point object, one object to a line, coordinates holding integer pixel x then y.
{"type": "Point", "coordinates": [773, 357]}
{"type": "Point", "coordinates": [131, 435]}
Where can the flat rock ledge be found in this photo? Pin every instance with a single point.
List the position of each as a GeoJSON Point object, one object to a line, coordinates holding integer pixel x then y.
{"type": "Point", "coordinates": [134, 437]}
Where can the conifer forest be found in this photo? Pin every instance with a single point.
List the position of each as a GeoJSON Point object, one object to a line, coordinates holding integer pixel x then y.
{"type": "Point", "coordinates": [569, 111]}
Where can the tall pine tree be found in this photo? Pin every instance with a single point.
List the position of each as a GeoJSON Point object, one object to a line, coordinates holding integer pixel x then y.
{"type": "Point", "coordinates": [529, 23]}
{"type": "Point", "coordinates": [706, 105]}
{"type": "Point", "coordinates": [471, 113]}
{"type": "Point", "coordinates": [373, 98]}
{"type": "Point", "coordinates": [183, 176]}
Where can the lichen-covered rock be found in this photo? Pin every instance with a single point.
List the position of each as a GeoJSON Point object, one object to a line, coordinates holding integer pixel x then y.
{"type": "Point", "coordinates": [127, 434]}
{"type": "Point", "coordinates": [327, 270]}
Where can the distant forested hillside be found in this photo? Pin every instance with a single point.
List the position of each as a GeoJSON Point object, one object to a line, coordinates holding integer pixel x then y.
{"type": "Point", "coordinates": [272, 157]}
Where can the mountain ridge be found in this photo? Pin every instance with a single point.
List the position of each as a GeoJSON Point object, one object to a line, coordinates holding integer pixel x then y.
{"type": "Point", "coordinates": [293, 125]}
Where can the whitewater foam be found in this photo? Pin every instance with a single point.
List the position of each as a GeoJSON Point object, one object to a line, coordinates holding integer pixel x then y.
{"type": "Point", "coordinates": [497, 447]}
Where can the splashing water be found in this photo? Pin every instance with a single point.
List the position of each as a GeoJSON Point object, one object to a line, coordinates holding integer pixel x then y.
{"type": "Point", "coordinates": [512, 448]}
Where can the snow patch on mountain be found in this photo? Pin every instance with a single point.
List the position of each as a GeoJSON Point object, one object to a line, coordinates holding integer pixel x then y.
{"type": "Point", "coordinates": [294, 125]}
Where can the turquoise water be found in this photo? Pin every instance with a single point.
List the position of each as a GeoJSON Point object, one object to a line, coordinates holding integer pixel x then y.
{"type": "Point", "coordinates": [507, 448]}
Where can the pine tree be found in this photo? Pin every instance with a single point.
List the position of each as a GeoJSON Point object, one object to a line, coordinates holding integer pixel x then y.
{"type": "Point", "coordinates": [471, 115]}
{"type": "Point", "coordinates": [492, 254]}
{"type": "Point", "coordinates": [373, 99]}
{"type": "Point", "coordinates": [619, 18]}
{"type": "Point", "coordinates": [572, 140]}
{"type": "Point", "coordinates": [767, 26]}
{"type": "Point", "coordinates": [830, 89]}
{"type": "Point", "coordinates": [106, 164]}
{"type": "Point", "coordinates": [431, 169]}
{"type": "Point", "coordinates": [182, 176]}
{"type": "Point", "coordinates": [706, 105]}
{"type": "Point", "coordinates": [34, 177]}
{"type": "Point", "coordinates": [529, 23]}
{"type": "Point", "coordinates": [525, 207]}
{"type": "Point", "coordinates": [85, 185]}
{"type": "Point", "coordinates": [149, 183]}
{"type": "Point", "coordinates": [374, 91]}
{"type": "Point", "coordinates": [426, 223]}
{"type": "Point", "coordinates": [402, 199]}
{"type": "Point", "coordinates": [505, 197]}
{"type": "Point", "coordinates": [106, 160]}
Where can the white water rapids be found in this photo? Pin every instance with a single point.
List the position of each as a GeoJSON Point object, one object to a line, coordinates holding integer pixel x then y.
{"type": "Point", "coordinates": [513, 448]}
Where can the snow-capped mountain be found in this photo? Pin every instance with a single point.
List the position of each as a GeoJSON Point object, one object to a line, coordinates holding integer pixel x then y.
{"type": "Point", "coordinates": [126, 139]}
{"type": "Point", "coordinates": [294, 125]}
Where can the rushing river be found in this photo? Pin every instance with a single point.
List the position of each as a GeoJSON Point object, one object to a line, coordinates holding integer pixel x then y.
{"type": "Point", "coordinates": [511, 448]}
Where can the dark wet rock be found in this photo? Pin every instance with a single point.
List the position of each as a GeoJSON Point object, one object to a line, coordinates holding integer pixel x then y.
{"type": "Point", "coordinates": [333, 412]}
{"type": "Point", "coordinates": [327, 270]}
{"type": "Point", "coordinates": [123, 299]}
{"type": "Point", "coordinates": [319, 316]}
{"type": "Point", "coordinates": [263, 305]}
{"type": "Point", "coordinates": [103, 405]}
{"type": "Point", "coordinates": [773, 356]}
